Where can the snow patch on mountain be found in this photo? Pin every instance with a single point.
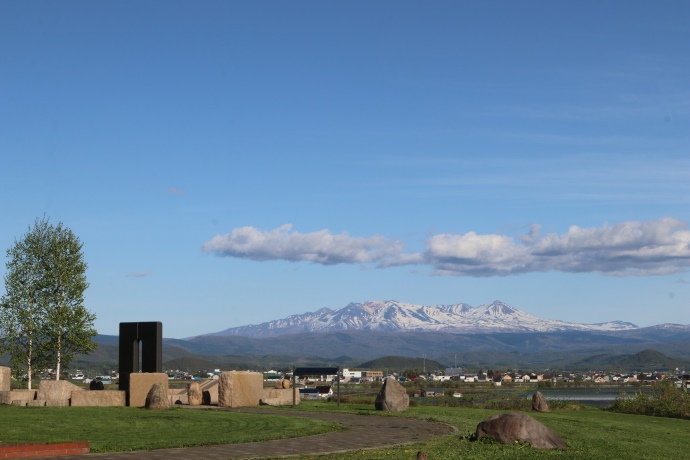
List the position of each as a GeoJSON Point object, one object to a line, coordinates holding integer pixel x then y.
{"type": "Point", "coordinates": [394, 316]}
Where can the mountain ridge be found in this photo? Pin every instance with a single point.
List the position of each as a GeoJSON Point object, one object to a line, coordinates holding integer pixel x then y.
{"type": "Point", "coordinates": [394, 316]}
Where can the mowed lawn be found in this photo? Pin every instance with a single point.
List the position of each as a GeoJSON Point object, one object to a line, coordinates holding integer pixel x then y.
{"type": "Point", "coordinates": [111, 429]}
{"type": "Point", "coordinates": [590, 433]}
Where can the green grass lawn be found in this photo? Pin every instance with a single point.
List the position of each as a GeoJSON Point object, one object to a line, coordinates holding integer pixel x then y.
{"type": "Point", "coordinates": [590, 433]}
{"type": "Point", "coordinates": [111, 429]}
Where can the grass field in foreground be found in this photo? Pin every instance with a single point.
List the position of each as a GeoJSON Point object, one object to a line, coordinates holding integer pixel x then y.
{"type": "Point", "coordinates": [590, 433]}
{"type": "Point", "coordinates": [111, 429]}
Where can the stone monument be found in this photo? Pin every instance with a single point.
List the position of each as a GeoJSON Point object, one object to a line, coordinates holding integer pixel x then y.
{"type": "Point", "coordinates": [147, 336]}
{"type": "Point", "coordinates": [392, 397]}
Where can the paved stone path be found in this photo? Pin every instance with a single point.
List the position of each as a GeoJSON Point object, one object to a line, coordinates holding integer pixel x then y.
{"type": "Point", "coordinates": [360, 432]}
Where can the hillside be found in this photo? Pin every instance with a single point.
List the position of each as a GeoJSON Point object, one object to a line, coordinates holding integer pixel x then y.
{"type": "Point", "coordinates": [401, 363]}
{"type": "Point", "coordinates": [555, 350]}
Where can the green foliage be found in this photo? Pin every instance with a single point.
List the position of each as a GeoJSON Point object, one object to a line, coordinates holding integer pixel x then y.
{"type": "Point", "coordinates": [666, 400]}
{"type": "Point", "coordinates": [23, 312]}
{"type": "Point", "coordinates": [69, 326]}
{"type": "Point", "coordinates": [43, 320]}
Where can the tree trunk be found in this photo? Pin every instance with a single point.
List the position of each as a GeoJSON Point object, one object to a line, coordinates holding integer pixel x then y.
{"type": "Point", "coordinates": [28, 365]}
{"type": "Point", "coordinates": [59, 359]}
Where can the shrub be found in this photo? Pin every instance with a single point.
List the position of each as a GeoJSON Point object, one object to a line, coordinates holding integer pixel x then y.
{"type": "Point", "coordinates": [665, 401]}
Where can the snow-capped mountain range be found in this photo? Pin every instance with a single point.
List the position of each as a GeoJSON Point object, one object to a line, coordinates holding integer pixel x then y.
{"type": "Point", "coordinates": [393, 316]}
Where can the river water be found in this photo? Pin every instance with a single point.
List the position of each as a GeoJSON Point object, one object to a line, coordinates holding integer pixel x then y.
{"type": "Point", "coordinates": [590, 396]}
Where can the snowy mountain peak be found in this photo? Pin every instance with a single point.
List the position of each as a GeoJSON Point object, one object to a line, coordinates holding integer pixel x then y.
{"type": "Point", "coordinates": [394, 316]}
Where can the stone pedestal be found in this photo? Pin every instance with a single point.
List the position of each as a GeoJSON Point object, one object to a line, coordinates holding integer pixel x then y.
{"type": "Point", "coordinates": [240, 389]}
{"type": "Point", "coordinates": [5, 378]}
{"type": "Point", "coordinates": [140, 384]}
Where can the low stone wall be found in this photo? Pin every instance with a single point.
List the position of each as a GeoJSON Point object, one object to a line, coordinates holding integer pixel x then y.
{"type": "Point", "coordinates": [278, 397]}
{"type": "Point", "coordinates": [240, 389]}
{"type": "Point", "coordinates": [178, 395]}
{"type": "Point", "coordinates": [8, 397]}
{"type": "Point", "coordinates": [109, 398]}
{"type": "Point", "coordinates": [140, 384]}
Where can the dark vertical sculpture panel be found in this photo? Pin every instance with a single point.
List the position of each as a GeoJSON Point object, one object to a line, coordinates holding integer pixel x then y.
{"type": "Point", "coordinates": [150, 336]}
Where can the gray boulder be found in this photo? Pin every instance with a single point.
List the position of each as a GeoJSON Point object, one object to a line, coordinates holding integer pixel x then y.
{"type": "Point", "coordinates": [508, 428]}
{"type": "Point", "coordinates": [539, 403]}
{"type": "Point", "coordinates": [392, 397]}
{"type": "Point", "coordinates": [157, 398]}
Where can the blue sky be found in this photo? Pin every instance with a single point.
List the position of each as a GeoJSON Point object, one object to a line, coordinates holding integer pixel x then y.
{"type": "Point", "coordinates": [230, 163]}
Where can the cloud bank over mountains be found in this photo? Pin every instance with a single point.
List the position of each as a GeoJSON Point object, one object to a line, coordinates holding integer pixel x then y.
{"type": "Point", "coordinates": [657, 247]}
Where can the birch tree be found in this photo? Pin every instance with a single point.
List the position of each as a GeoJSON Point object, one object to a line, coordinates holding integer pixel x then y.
{"type": "Point", "coordinates": [23, 307]}
{"type": "Point", "coordinates": [68, 324]}
{"type": "Point", "coordinates": [43, 313]}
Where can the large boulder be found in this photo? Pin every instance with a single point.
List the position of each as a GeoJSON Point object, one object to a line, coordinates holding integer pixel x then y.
{"type": "Point", "coordinates": [539, 403]}
{"type": "Point", "coordinates": [392, 397]}
{"type": "Point", "coordinates": [194, 396]}
{"type": "Point", "coordinates": [508, 428]}
{"type": "Point", "coordinates": [282, 384]}
{"type": "Point", "coordinates": [157, 398]}
{"type": "Point", "coordinates": [56, 390]}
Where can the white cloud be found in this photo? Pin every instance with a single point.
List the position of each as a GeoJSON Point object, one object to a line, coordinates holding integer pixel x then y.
{"type": "Point", "coordinates": [319, 247]}
{"type": "Point", "coordinates": [475, 254]}
{"type": "Point", "coordinates": [627, 248]}
{"type": "Point", "coordinates": [138, 274]}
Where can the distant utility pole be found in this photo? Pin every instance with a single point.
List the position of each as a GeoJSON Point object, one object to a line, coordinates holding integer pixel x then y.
{"type": "Point", "coordinates": [424, 356]}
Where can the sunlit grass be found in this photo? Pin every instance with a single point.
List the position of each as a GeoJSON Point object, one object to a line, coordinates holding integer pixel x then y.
{"type": "Point", "coordinates": [111, 429]}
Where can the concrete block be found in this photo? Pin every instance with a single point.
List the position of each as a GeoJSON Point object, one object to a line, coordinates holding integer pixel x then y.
{"type": "Point", "coordinates": [108, 398]}
{"type": "Point", "coordinates": [20, 402]}
{"type": "Point", "coordinates": [5, 378]}
{"type": "Point", "coordinates": [140, 384]}
{"type": "Point", "coordinates": [240, 389]}
{"type": "Point", "coordinates": [279, 397]}
{"type": "Point", "coordinates": [36, 403]}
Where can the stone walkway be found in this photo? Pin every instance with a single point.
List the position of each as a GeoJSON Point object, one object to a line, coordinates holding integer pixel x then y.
{"type": "Point", "coordinates": [360, 432]}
